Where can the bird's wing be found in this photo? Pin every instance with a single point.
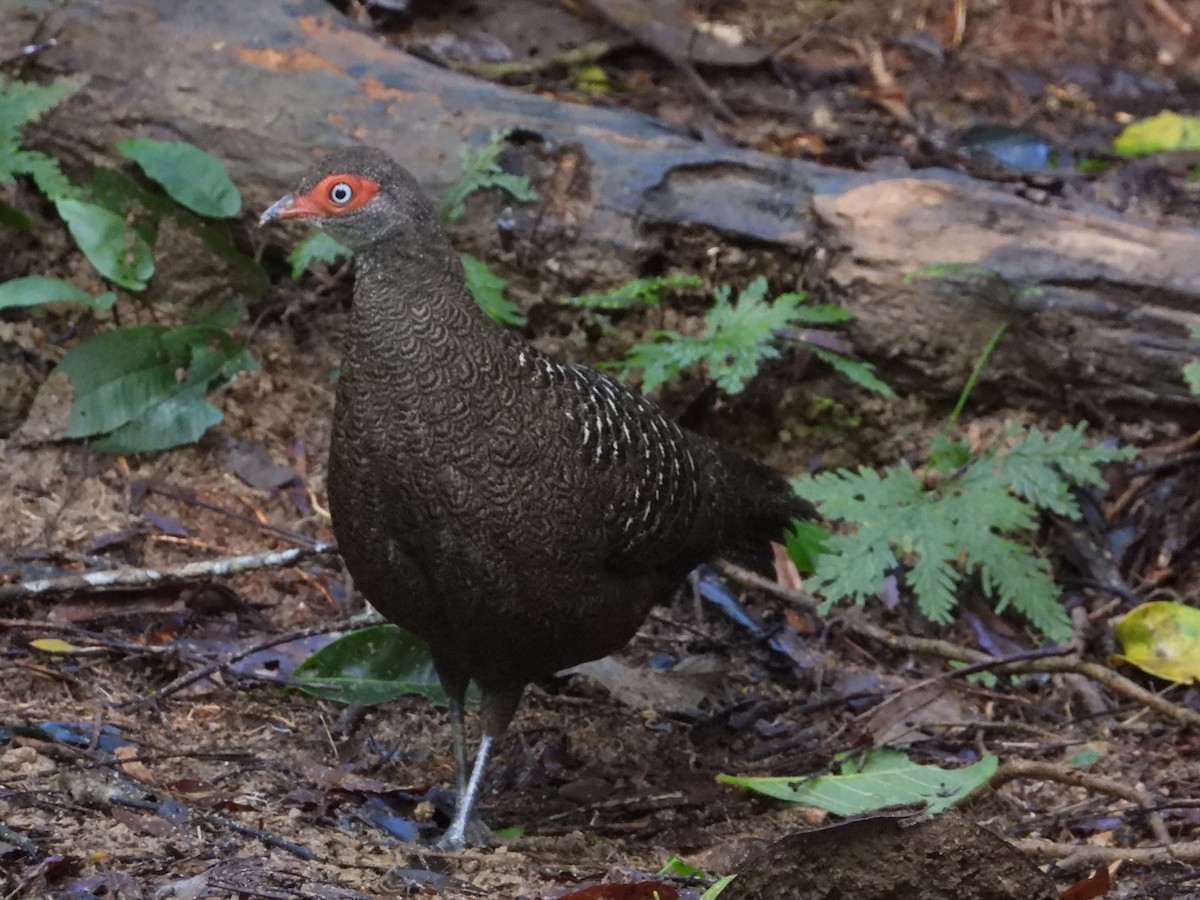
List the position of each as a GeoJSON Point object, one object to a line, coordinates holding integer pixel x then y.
{"type": "Point", "coordinates": [641, 468]}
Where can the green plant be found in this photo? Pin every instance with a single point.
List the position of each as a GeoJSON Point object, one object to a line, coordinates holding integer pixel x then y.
{"type": "Point", "coordinates": [140, 387]}
{"type": "Point", "coordinates": [318, 247]}
{"type": "Point", "coordinates": [488, 290]}
{"type": "Point", "coordinates": [23, 103]}
{"type": "Point", "coordinates": [738, 337]}
{"type": "Point", "coordinates": [1191, 371]}
{"type": "Point", "coordinates": [481, 171]}
{"type": "Point", "coordinates": [953, 519]}
{"type": "Point", "coordinates": [634, 293]}
{"type": "Point", "coordinates": [877, 779]}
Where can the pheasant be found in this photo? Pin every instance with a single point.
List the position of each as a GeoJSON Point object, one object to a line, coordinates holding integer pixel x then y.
{"type": "Point", "coordinates": [519, 514]}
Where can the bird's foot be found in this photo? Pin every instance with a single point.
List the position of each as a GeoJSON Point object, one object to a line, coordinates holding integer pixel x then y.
{"type": "Point", "coordinates": [460, 835]}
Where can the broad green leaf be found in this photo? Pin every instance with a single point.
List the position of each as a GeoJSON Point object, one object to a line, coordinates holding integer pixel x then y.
{"type": "Point", "coordinates": [488, 290]}
{"type": "Point", "coordinates": [805, 544]}
{"type": "Point", "coordinates": [144, 385]}
{"type": "Point", "coordinates": [33, 290]}
{"type": "Point", "coordinates": [1162, 638]}
{"type": "Point", "coordinates": [318, 247]}
{"type": "Point", "coordinates": [370, 666]}
{"type": "Point", "coordinates": [881, 778]}
{"type": "Point", "coordinates": [191, 177]}
{"type": "Point", "coordinates": [1165, 132]}
{"type": "Point", "coordinates": [178, 420]}
{"type": "Point", "coordinates": [115, 249]}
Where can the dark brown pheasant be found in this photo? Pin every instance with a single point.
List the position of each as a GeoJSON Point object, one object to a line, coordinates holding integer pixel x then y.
{"type": "Point", "coordinates": [519, 514]}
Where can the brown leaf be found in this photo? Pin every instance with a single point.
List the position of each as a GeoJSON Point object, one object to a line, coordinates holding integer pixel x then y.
{"type": "Point", "coordinates": [1095, 885]}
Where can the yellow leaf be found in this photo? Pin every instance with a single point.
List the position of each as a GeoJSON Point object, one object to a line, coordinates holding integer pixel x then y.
{"type": "Point", "coordinates": [1166, 131]}
{"type": "Point", "coordinates": [1162, 638]}
{"type": "Point", "coordinates": [54, 645]}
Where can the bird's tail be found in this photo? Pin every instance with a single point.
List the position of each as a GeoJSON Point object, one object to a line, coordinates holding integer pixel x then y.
{"type": "Point", "coordinates": [760, 505]}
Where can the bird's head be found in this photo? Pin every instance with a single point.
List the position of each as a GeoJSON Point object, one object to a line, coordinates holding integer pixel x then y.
{"type": "Point", "coordinates": [360, 196]}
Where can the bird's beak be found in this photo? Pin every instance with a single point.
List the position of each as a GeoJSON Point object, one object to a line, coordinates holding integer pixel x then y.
{"type": "Point", "coordinates": [293, 206]}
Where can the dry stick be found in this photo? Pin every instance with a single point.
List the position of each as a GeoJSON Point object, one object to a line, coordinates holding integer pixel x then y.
{"type": "Point", "coordinates": [189, 498]}
{"type": "Point", "coordinates": [200, 674]}
{"type": "Point", "coordinates": [1080, 857]}
{"type": "Point", "coordinates": [1020, 768]}
{"type": "Point", "coordinates": [950, 651]}
{"type": "Point", "coordinates": [129, 578]}
{"type": "Point", "coordinates": [1172, 17]}
{"type": "Point", "coordinates": [268, 838]}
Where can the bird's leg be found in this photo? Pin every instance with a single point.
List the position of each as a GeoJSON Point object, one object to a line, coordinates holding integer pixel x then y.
{"type": "Point", "coordinates": [455, 837]}
{"type": "Point", "coordinates": [496, 711]}
{"type": "Point", "coordinates": [458, 734]}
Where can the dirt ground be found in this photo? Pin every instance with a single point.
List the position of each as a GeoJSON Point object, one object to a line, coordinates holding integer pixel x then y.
{"type": "Point", "coordinates": [238, 785]}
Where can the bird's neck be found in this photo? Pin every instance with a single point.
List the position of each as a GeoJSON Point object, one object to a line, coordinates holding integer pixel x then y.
{"type": "Point", "coordinates": [412, 310]}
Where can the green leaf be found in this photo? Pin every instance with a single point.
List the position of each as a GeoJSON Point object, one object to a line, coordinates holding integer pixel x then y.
{"type": "Point", "coordinates": [14, 218]}
{"type": "Point", "coordinates": [21, 104]}
{"type": "Point", "coordinates": [680, 869]}
{"type": "Point", "coordinates": [481, 171]}
{"type": "Point", "coordinates": [35, 290]}
{"type": "Point", "coordinates": [960, 525]}
{"type": "Point", "coordinates": [861, 373]}
{"type": "Point", "coordinates": [189, 175]}
{"type": "Point", "coordinates": [143, 386]}
{"type": "Point", "coordinates": [715, 891]}
{"type": "Point", "coordinates": [370, 666]}
{"type": "Point", "coordinates": [738, 337]}
{"type": "Point", "coordinates": [881, 778]}
{"type": "Point", "coordinates": [174, 422]}
{"type": "Point", "coordinates": [1191, 376]}
{"type": "Point", "coordinates": [805, 543]}
{"type": "Point", "coordinates": [1166, 131]}
{"type": "Point", "coordinates": [947, 454]}
{"type": "Point", "coordinates": [488, 290]}
{"type": "Point", "coordinates": [634, 293]}
{"type": "Point", "coordinates": [115, 249]}
{"type": "Point", "coordinates": [318, 247]}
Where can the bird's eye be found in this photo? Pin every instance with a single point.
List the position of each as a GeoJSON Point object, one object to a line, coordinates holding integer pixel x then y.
{"type": "Point", "coordinates": [341, 193]}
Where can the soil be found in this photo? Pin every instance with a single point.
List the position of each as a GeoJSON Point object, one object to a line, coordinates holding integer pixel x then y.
{"type": "Point", "coordinates": [249, 788]}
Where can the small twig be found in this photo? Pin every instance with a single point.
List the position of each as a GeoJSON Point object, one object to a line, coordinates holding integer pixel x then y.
{"type": "Point", "coordinates": [266, 837]}
{"type": "Point", "coordinates": [1078, 857]}
{"type": "Point", "coordinates": [1045, 771]}
{"type": "Point", "coordinates": [853, 621]}
{"type": "Point", "coordinates": [1168, 13]}
{"type": "Point", "coordinates": [583, 55]}
{"type": "Point", "coordinates": [130, 578]}
{"type": "Point", "coordinates": [188, 498]}
{"type": "Point", "coordinates": [673, 800]}
{"type": "Point", "coordinates": [200, 674]}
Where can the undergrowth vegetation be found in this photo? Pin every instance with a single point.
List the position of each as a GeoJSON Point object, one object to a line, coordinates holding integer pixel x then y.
{"type": "Point", "coordinates": [137, 387]}
{"type": "Point", "coordinates": [967, 511]}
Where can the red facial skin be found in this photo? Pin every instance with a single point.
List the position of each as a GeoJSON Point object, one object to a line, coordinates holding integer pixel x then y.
{"type": "Point", "coordinates": [319, 203]}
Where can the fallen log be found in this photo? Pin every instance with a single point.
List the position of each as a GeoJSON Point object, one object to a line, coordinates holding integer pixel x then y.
{"type": "Point", "coordinates": [1098, 303]}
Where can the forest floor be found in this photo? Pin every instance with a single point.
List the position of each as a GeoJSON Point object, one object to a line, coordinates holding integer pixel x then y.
{"type": "Point", "coordinates": [251, 788]}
